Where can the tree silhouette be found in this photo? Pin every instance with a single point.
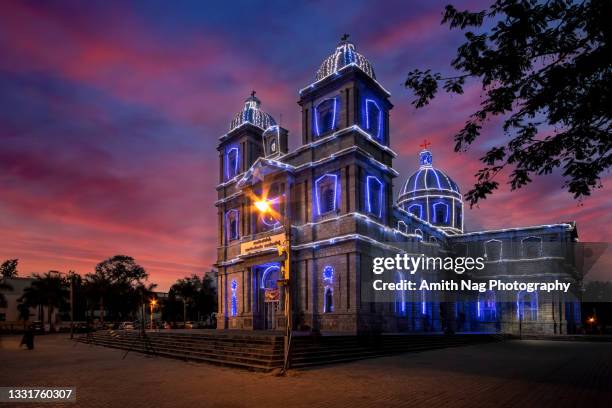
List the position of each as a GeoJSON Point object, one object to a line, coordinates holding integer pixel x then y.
{"type": "Point", "coordinates": [49, 290]}
{"type": "Point", "coordinates": [8, 269]}
{"type": "Point", "coordinates": [546, 71]}
{"type": "Point", "coordinates": [198, 296]}
{"type": "Point", "coordinates": [187, 289]}
{"type": "Point", "coordinates": [4, 287]}
{"type": "Point", "coordinates": [117, 286]}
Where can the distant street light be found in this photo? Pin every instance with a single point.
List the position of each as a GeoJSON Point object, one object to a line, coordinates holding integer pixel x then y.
{"type": "Point", "coordinates": [152, 304]}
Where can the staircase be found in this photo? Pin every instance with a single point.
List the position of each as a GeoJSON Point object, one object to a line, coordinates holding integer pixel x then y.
{"type": "Point", "coordinates": [264, 352]}
{"type": "Point", "coordinates": [253, 352]}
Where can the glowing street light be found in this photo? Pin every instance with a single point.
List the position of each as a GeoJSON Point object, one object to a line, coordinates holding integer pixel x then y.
{"type": "Point", "coordinates": [152, 304]}
{"type": "Point", "coordinates": [263, 206]}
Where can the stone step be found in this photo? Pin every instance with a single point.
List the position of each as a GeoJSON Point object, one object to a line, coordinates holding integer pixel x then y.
{"type": "Point", "coordinates": [265, 354]}
{"type": "Point", "coordinates": [203, 345]}
{"type": "Point", "coordinates": [246, 361]}
{"type": "Point", "coordinates": [226, 338]}
{"type": "Point", "coordinates": [187, 349]}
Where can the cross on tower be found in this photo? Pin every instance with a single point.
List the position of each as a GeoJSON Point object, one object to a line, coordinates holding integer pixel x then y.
{"type": "Point", "coordinates": [344, 37]}
{"type": "Point", "coordinates": [252, 94]}
{"type": "Point", "coordinates": [425, 144]}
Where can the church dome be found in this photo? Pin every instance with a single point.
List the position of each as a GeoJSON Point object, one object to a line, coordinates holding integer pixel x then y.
{"type": "Point", "coordinates": [429, 178]}
{"type": "Point", "coordinates": [344, 55]}
{"type": "Point", "coordinates": [431, 195]}
{"type": "Point", "coordinates": [252, 114]}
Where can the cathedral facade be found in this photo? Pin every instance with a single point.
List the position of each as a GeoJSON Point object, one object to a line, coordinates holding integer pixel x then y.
{"type": "Point", "coordinates": [334, 194]}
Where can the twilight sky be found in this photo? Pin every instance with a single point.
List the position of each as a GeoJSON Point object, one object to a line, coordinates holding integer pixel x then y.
{"type": "Point", "coordinates": [110, 114]}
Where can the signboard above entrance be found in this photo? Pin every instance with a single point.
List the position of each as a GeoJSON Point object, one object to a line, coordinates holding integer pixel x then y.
{"type": "Point", "coordinates": [271, 295]}
{"type": "Point", "coordinates": [259, 244]}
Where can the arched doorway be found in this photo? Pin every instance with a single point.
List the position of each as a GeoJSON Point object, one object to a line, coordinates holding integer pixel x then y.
{"type": "Point", "coordinates": [270, 294]}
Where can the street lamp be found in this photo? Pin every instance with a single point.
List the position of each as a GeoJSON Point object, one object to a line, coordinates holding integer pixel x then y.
{"type": "Point", "coordinates": [264, 207]}
{"type": "Point", "coordinates": [152, 304]}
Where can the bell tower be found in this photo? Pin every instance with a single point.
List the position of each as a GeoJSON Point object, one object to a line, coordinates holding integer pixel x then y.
{"type": "Point", "coordinates": [345, 94]}
{"type": "Point", "coordinates": [345, 113]}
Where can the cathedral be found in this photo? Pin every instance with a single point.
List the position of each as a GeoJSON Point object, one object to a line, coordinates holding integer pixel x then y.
{"type": "Point", "coordinates": [332, 200]}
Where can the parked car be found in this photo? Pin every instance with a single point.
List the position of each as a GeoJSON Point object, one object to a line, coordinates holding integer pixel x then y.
{"type": "Point", "coordinates": [81, 327]}
{"type": "Point", "coordinates": [195, 325]}
{"type": "Point", "coordinates": [38, 327]}
{"type": "Point", "coordinates": [127, 326]}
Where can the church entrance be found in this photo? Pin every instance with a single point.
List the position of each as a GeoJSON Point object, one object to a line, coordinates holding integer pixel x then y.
{"type": "Point", "coordinates": [270, 295]}
{"type": "Point", "coordinates": [271, 311]}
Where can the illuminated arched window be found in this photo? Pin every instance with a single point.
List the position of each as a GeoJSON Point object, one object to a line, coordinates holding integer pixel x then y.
{"type": "Point", "coordinates": [328, 290]}
{"type": "Point", "coordinates": [373, 119]}
{"type": "Point", "coordinates": [326, 116]}
{"type": "Point", "coordinates": [328, 300]}
{"type": "Point", "coordinates": [234, 301]}
{"type": "Point", "coordinates": [401, 226]}
{"type": "Point", "coordinates": [418, 233]}
{"type": "Point", "coordinates": [232, 225]}
{"type": "Point", "coordinates": [269, 277]}
{"type": "Point", "coordinates": [531, 247]}
{"type": "Point", "coordinates": [326, 193]}
{"type": "Point", "coordinates": [440, 213]}
{"type": "Point", "coordinates": [374, 196]}
{"type": "Point", "coordinates": [527, 306]}
{"type": "Point", "coordinates": [271, 219]}
{"type": "Point", "coordinates": [232, 158]}
{"type": "Point", "coordinates": [486, 306]}
{"type": "Point", "coordinates": [416, 209]}
{"type": "Point", "coordinates": [493, 250]}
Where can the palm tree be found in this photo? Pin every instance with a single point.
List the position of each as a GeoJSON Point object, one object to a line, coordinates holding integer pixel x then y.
{"type": "Point", "coordinates": [50, 290]}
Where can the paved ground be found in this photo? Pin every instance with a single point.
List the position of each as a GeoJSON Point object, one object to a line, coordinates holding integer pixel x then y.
{"type": "Point", "coordinates": [514, 373]}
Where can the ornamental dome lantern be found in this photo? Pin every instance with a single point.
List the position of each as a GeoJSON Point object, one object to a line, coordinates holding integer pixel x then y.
{"type": "Point", "coordinates": [251, 113]}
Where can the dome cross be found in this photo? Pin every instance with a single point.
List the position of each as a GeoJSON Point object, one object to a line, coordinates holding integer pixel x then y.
{"type": "Point", "coordinates": [425, 144]}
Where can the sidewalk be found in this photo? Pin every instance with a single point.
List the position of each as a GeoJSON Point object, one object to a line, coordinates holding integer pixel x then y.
{"type": "Point", "coordinates": [513, 373]}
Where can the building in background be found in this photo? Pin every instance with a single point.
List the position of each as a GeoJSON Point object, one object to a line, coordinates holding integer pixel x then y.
{"type": "Point", "coordinates": [11, 315]}
{"type": "Point", "coordinates": [336, 192]}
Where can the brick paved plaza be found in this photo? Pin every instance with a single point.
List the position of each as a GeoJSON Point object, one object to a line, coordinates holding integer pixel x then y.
{"type": "Point", "coordinates": [513, 373]}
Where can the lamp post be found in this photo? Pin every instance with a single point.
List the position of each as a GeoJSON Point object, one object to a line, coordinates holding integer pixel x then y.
{"type": "Point", "coordinates": [152, 305]}
{"type": "Point", "coordinates": [284, 248]}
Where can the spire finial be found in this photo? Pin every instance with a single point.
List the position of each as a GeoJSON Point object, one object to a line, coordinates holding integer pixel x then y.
{"type": "Point", "coordinates": [252, 93]}
{"type": "Point", "coordinates": [345, 37]}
